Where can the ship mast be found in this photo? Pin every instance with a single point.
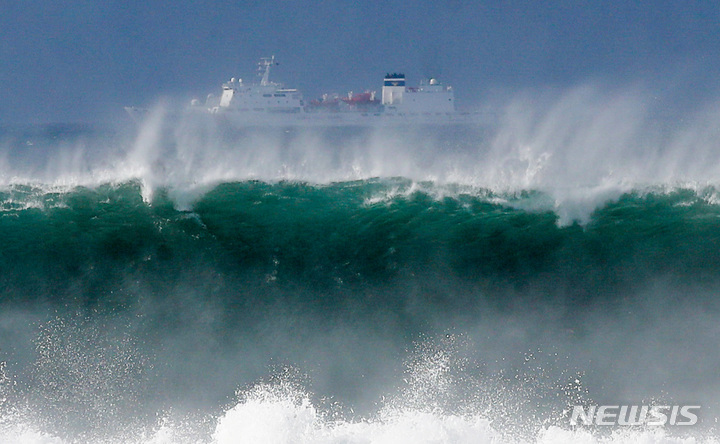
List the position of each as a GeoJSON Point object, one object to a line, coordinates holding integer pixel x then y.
{"type": "Point", "coordinates": [264, 68]}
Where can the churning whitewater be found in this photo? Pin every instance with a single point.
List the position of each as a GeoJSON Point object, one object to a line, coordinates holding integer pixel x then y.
{"type": "Point", "coordinates": [190, 282]}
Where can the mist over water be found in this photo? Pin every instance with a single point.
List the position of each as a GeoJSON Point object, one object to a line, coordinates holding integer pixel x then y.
{"type": "Point", "coordinates": [582, 146]}
{"type": "Point", "coordinates": [187, 281]}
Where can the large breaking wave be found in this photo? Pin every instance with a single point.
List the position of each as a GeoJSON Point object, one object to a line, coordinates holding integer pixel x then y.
{"type": "Point", "coordinates": [446, 284]}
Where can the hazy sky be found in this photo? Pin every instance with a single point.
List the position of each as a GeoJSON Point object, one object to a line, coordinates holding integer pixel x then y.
{"type": "Point", "coordinates": [76, 60]}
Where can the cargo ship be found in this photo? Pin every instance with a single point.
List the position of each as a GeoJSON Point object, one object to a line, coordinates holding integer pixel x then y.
{"type": "Point", "coordinates": [270, 103]}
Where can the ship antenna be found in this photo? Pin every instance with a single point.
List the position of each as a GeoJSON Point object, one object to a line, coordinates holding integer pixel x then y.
{"type": "Point", "coordinates": [264, 67]}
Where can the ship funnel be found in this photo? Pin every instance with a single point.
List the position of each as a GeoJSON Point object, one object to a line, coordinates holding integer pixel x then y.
{"type": "Point", "coordinates": [393, 89]}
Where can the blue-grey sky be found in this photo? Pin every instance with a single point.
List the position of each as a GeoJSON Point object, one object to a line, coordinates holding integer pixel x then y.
{"type": "Point", "coordinates": [82, 60]}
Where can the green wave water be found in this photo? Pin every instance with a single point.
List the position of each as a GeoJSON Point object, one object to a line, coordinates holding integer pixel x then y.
{"type": "Point", "coordinates": [185, 289]}
{"type": "Point", "coordinates": [350, 235]}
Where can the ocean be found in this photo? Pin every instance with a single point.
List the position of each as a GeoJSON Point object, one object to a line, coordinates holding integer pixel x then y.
{"type": "Point", "coordinates": [183, 281]}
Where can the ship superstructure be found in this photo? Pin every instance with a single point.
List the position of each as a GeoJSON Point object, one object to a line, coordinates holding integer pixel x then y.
{"type": "Point", "coordinates": [265, 97]}
{"type": "Point", "coordinates": [430, 98]}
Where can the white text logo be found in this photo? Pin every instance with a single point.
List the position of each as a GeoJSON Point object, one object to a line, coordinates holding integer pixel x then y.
{"type": "Point", "coordinates": [635, 415]}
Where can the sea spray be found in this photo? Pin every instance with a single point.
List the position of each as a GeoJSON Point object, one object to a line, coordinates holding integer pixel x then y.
{"type": "Point", "coordinates": [259, 273]}
{"type": "Point", "coordinates": [148, 274]}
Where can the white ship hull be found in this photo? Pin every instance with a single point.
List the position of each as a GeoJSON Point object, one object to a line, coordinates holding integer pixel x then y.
{"type": "Point", "coordinates": [324, 119]}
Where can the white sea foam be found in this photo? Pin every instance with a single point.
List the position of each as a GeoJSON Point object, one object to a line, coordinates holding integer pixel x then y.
{"type": "Point", "coordinates": [435, 404]}
{"type": "Point", "coordinates": [281, 422]}
{"type": "Point", "coordinates": [19, 434]}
